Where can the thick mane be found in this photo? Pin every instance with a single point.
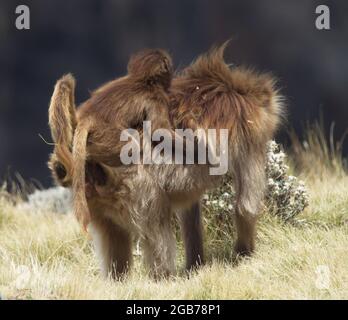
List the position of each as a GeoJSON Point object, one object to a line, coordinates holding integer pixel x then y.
{"type": "Point", "coordinates": [210, 94]}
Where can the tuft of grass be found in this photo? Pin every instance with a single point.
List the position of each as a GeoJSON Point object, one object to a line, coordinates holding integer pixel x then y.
{"type": "Point", "coordinates": [318, 154]}
{"type": "Point", "coordinates": [44, 255]}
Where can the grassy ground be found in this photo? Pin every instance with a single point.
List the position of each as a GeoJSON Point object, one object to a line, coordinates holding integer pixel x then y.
{"type": "Point", "coordinates": [45, 256]}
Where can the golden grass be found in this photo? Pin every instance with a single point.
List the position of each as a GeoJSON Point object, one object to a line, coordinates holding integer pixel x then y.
{"type": "Point", "coordinates": [45, 256]}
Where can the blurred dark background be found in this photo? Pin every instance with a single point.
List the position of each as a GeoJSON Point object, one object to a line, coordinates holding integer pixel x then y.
{"type": "Point", "coordinates": [93, 39]}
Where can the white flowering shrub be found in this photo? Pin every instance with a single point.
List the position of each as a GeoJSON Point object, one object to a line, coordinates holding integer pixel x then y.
{"type": "Point", "coordinates": [286, 196]}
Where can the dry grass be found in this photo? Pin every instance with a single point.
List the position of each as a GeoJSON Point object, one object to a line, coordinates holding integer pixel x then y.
{"type": "Point", "coordinates": [44, 255]}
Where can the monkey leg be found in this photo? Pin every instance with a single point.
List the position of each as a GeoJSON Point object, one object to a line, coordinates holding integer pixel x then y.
{"type": "Point", "coordinates": [113, 246]}
{"type": "Point", "coordinates": [250, 186]}
{"type": "Point", "coordinates": [192, 233]}
{"type": "Point", "coordinates": [246, 231]}
{"type": "Point", "coordinates": [159, 247]}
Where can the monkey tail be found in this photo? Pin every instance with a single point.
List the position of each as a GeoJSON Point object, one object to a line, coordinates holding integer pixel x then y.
{"type": "Point", "coordinates": [81, 209]}
{"type": "Point", "coordinates": [62, 122]}
{"type": "Point", "coordinates": [62, 114]}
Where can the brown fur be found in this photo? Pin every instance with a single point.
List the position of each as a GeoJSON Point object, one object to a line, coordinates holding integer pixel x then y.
{"type": "Point", "coordinates": [140, 200]}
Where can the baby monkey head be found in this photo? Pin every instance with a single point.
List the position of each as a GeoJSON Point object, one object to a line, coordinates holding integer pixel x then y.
{"type": "Point", "coordinates": [152, 66]}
